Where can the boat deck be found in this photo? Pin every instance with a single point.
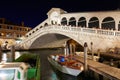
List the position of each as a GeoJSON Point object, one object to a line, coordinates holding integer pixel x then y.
{"type": "Point", "coordinates": [105, 70]}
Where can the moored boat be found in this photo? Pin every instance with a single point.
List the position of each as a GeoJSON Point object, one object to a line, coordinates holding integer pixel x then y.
{"type": "Point", "coordinates": [66, 64]}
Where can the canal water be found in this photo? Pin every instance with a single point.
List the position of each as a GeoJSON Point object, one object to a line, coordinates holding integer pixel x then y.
{"type": "Point", "coordinates": [47, 71]}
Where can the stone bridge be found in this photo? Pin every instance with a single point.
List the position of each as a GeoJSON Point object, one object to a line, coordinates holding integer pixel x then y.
{"type": "Point", "coordinates": [102, 39]}
{"type": "Point", "coordinates": [100, 28]}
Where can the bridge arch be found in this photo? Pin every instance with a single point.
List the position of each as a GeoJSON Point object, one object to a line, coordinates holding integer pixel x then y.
{"type": "Point", "coordinates": [108, 23]}
{"type": "Point", "coordinates": [61, 36]}
{"type": "Point", "coordinates": [93, 22]}
{"type": "Point", "coordinates": [82, 22]}
{"type": "Point", "coordinates": [72, 21]}
{"type": "Point", "coordinates": [64, 21]}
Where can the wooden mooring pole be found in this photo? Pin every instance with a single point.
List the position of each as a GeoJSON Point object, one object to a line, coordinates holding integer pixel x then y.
{"type": "Point", "coordinates": [13, 52]}
{"type": "Point", "coordinates": [92, 51]}
{"type": "Point", "coordinates": [85, 59]}
{"type": "Point", "coordinates": [0, 53]}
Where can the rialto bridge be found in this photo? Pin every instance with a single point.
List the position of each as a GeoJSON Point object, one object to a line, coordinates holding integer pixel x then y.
{"type": "Point", "coordinates": [101, 28]}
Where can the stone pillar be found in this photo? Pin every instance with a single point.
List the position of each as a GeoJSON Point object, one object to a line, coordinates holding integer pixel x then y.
{"type": "Point", "coordinates": [116, 24]}
{"type": "Point", "coordinates": [100, 23]}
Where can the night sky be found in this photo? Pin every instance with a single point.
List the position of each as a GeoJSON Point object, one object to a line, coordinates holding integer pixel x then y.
{"type": "Point", "coordinates": [33, 12]}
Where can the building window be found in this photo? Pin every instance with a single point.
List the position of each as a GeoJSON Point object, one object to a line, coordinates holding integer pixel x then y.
{"type": "Point", "coordinates": [20, 29]}
{"type": "Point", "coordinates": [9, 35]}
{"type": "Point", "coordinates": [9, 27]}
{"type": "Point", "coordinates": [0, 34]}
{"type": "Point", "coordinates": [0, 26]}
{"type": "Point", "coordinates": [19, 35]}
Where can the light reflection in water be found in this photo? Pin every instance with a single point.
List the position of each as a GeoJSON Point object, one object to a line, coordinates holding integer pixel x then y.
{"type": "Point", "coordinates": [47, 73]}
{"type": "Point", "coordinates": [9, 55]}
{"type": "Point", "coordinates": [7, 74]}
{"type": "Point", "coordinates": [17, 54]}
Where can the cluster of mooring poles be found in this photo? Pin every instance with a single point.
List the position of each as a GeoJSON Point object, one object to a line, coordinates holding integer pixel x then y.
{"type": "Point", "coordinates": [3, 56]}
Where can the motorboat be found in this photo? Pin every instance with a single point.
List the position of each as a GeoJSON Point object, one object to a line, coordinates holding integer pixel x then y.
{"type": "Point", "coordinates": [66, 64]}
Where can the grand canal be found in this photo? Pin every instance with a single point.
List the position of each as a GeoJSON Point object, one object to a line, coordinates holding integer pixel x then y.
{"type": "Point", "coordinates": [47, 71]}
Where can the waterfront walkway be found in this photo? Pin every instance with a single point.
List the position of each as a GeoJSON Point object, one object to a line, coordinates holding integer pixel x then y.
{"type": "Point", "coordinates": [105, 70]}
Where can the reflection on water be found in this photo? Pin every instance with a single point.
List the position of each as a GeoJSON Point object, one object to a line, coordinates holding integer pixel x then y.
{"type": "Point", "coordinates": [9, 55]}
{"type": "Point", "coordinates": [17, 54]}
{"type": "Point", "coordinates": [47, 71]}
{"type": "Point", "coordinates": [7, 74]}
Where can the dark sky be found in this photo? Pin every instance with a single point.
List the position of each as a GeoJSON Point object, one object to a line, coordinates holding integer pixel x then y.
{"type": "Point", "coordinates": [33, 12]}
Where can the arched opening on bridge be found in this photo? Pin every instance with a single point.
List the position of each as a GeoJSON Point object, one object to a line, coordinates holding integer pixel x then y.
{"type": "Point", "coordinates": [72, 21]}
{"type": "Point", "coordinates": [64, 21]}
{"type": "Point", "coordinates": [82, 22]}
{"type": "Point", "coordinates": [73, 47]}
{"type": "Point", "coordinates": [54, 40]}
{"type": "Point", "coordinates": [108, 23]}
{"type": "Point", "coordinates": [93, 22]}
{"type": "Point", "coordinates": [46, 24]}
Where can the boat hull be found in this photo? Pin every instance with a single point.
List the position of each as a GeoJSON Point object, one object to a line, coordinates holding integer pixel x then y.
{"type": "Point", "coordinates": [64, 69]}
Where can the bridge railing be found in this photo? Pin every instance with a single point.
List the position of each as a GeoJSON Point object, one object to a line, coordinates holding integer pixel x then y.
{"type": "Point", "coordinates": [68, 30]}
{"type": "Point", "coordinates": [78, 29]}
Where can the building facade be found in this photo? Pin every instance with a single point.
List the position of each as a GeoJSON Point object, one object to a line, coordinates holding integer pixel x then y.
{"type": "Point", "coordinates": [11, 33]}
